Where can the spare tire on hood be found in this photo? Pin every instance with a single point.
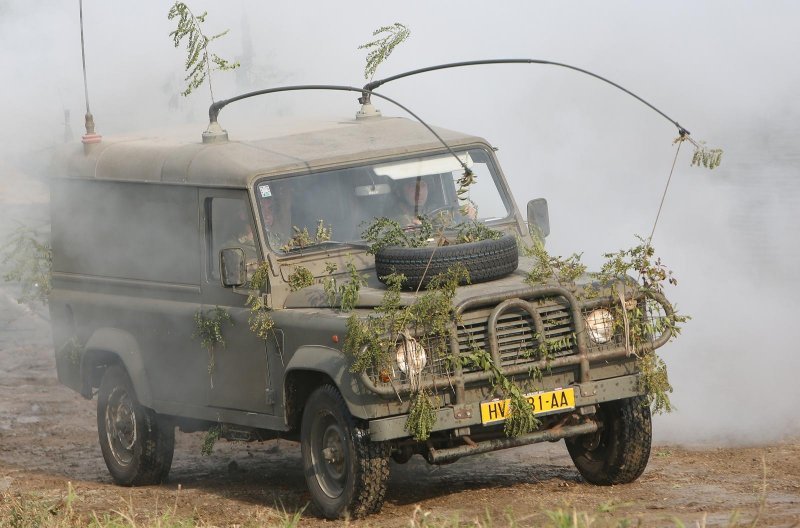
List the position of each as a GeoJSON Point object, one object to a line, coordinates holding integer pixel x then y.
{"type": "Point", "coordinates": [485, 260]}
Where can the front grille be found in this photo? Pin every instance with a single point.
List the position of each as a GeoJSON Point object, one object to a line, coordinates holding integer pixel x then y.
{"type": "Point", "coordinates": [516, 334]}
{"type": "Point", "coordinates": [517, 341]}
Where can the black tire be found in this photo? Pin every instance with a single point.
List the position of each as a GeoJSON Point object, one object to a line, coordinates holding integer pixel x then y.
{"type": "Point", "coordinates": [345, 472]}
{"type": "Point", "coordinates": [137, 444]}
{"type": "Point", "coordinates": [619, 451]}
{"type": "Point", "coordinates": [485, 260]}
{"type": "Point", "coordinates": [402, 455]}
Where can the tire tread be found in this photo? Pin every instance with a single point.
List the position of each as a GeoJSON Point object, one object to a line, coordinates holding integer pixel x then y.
{"type": "Point", "coordinates": [484, 260]}
{"type": "Point", "coordinates": [625, 444]}
{"type": "Point", "coordinates": [154, 460]}
{"type": "Point", "coordinates": [371, 465]}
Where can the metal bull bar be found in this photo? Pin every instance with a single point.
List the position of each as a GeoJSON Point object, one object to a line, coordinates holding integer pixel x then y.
{"type": "Point", "coordinates": [525, 299]}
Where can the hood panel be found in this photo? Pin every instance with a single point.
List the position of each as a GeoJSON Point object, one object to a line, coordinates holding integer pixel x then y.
{"type": "Point", "coordinates": [372, 294]}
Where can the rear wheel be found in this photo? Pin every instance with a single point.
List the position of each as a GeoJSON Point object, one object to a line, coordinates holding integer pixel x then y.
{"type": "Point", "coordinates": [137, 444]}
{"type": "Point", "coordinates": [619, 451]}
{"type": "Point", "coordinates": [345, 472]}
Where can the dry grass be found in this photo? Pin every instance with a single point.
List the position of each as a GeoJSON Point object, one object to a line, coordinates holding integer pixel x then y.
{"type": "Point", "coordinates": [34, 511]}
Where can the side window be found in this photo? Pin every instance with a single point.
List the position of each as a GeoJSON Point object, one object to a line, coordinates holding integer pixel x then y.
{"type": "Point", "coordinates": [148, 231]}
{"type": "Point", "coordinates": [229, 225]}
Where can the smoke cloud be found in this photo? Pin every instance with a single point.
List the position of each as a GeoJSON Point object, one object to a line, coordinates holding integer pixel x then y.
{"type": "Point", "coordinates": [723, 69]}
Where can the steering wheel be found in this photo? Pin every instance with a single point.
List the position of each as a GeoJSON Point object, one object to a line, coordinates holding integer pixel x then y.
{"type": "Point", "coordinates": [453, 208]}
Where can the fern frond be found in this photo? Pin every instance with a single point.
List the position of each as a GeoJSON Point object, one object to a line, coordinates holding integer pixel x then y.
{"type": "Point", "coordinates": [380, 48]}
{"type": "Point", "coordinates": [198, 63]}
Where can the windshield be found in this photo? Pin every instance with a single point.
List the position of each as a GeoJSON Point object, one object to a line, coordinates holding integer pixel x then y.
{"type": "Point", "coordinates": [336, 206]}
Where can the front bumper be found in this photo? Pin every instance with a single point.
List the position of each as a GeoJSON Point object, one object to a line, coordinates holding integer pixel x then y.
{"type": "Point", "coordinates": [468, 414]}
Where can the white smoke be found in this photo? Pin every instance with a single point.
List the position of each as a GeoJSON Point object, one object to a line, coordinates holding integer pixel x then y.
{"type": "Point", "coordinates": [723, 69]}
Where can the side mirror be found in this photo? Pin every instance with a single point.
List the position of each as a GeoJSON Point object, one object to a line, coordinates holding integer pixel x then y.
{"type": "Point", "coordinates": [538, 218]}
{"type": "Point", "coordinates": [232, 267]}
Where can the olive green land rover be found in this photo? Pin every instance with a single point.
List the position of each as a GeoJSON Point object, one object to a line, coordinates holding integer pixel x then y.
{"type": "Point", "coordinates": [153, 238]}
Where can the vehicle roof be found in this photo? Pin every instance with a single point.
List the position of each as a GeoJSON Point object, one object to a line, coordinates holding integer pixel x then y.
{"type": "Point", "coordinates": [286, 146]}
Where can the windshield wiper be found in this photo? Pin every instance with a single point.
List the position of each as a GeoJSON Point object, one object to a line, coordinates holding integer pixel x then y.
{"type": "Point", "coordinates": [322, 244]}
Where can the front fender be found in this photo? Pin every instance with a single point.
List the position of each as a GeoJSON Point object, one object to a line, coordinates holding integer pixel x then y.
{"type": "Point", "coordinates": [122, 344]}
{"type": "Point", "coordinates": [335, 364]}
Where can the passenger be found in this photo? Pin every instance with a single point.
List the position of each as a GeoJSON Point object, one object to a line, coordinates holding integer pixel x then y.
{"type": "Point", "coordinates": [411, 195]}
{"type": "Point", "coordinates": [411, 202]}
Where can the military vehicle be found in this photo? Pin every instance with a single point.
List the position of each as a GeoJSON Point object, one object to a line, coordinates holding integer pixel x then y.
{"type": "Point", "coordinates": [153, 235]}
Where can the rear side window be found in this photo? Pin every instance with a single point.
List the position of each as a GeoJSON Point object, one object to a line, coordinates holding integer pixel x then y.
{"type": "Point", "coordinates": [126, 230]}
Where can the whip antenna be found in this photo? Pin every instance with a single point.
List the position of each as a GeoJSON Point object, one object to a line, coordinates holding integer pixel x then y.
{"type": "Point", "coordinates": [90, 137]}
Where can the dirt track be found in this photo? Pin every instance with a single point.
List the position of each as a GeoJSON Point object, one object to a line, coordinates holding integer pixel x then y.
{"type": "Point", "coordinates": [48, 437]}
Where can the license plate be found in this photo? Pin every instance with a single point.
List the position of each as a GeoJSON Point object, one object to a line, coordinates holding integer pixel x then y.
{"type": "Point", "coordinates": [542, 402]}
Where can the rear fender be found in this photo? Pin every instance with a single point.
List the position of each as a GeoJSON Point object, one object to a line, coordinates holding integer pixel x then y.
{"type": "Point", "coordinates": [110, 344]}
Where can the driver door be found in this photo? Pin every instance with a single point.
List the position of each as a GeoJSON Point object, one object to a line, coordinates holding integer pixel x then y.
{"type": "Point", "coordinates": [238, 373]}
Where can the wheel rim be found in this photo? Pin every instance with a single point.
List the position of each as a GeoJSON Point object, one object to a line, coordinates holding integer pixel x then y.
{"type": "Point", "coordinates": [121, 426]}
{"type": "Point", "coordinates": [329, 455]}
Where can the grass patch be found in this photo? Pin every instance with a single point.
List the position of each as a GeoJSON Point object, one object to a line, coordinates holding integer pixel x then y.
{"type": "Point", "coordinates": [31, 510]}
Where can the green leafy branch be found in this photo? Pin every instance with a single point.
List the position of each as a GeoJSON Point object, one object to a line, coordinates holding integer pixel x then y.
{"type": "Point", "coordinates": [347, 292]}
{"type": "Point", "coordinates": [29, 258]}
{"type": "Point", "coordinates": [384, 232]}
{"type": "Point", "coordinates": [373, 341]}
{"type": "Point", "coordinates": [522, 419]}
{"type": "Point", "coordinates": [199, 62]}
{"type": "Point", "coordinates": [302, 239]}
{"type": "Point", "coordinates": [641, 321]}
{"type": "Point", "coordinates": [638, 321]}
{"type": "Point", "coordinates": [641, 260]}
{"type": "Point", "coordinates": [260, 321]}
{"type": "Point", "coordinates": [210, 438]}
{"type": "Point", "coordinates": [421, 416]}
{"type": "Point", "coordinates": [72, 350]}
{"type": "Point", "coordinates": [474, 231]}
{"type": "Point", "coordinates": [702, 156]}
{"type": "Point", "coordinates": [300, 278]}
{"type": "Point", "coordinates": [208, 328]}
{"type": "Point", "coordinates": [467, 179]}
{"type": "Point", "coordinates": [380, 48]}
{"type": "Point", "coordinates": [547, 267]}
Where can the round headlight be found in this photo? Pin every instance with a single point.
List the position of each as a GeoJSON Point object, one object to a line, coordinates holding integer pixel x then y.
{"type": "Point", "coordinates": [411, 357]}
{"type": "Point", "coordinates": [600, 324]}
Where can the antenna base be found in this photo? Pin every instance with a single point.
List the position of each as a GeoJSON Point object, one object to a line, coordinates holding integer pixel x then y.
{"type": "Point", "coordinates": [215, 133]}
{"type": "Point", "coordinates": [367, 111]}
{"type": "Point", "coordinates": [89, 141]}
{"type": "Point", "coordinates": [90, 138]}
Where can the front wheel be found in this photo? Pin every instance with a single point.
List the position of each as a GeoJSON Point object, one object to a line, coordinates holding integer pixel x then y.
{"type": "Point", "coordinates": [346, 473]}
{"type": "Point", "coordinates": [619, 451]}
{"type": "Point", "coordinates": [137, 444]}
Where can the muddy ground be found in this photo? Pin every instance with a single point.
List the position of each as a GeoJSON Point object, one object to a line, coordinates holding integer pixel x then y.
{"type": "Point", "coordinates": [48, 438]}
